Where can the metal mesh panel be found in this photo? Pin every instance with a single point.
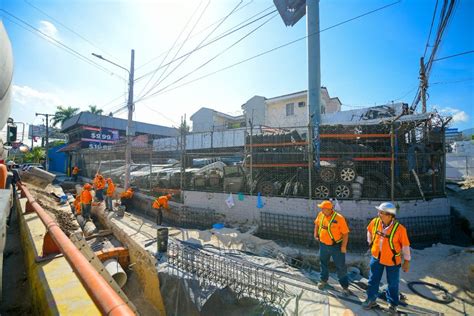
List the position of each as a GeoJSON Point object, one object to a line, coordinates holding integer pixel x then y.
{"type": "Point", "coordinates": [300, 229]}
{"type": "Point", "coordinates": [211, 268]}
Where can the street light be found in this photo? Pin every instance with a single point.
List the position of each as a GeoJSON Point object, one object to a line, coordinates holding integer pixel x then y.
{"type": "Point", "coordinates": [129, 133]}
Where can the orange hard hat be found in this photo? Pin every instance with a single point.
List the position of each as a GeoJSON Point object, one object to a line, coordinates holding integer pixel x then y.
{"type": "Point", "coordinates": [87, 186]}
{"type": "Point", "coordinates": [109, 180]}
{"type": "Point", "coordinates": [326, 204]}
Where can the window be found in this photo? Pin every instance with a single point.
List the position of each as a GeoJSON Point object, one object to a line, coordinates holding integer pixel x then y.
{"type": "Point", "coordinates": [290, 109]}
{"type": "Point", "coordinates": [301, 104]}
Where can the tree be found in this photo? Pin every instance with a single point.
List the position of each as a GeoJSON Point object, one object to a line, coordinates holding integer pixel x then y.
{"type": "Point", "coordinates": [63, 113]}
{"type": "Point", "coordinates": [94, 110]}
{"type": "Point", "coordinates": [35, 155]}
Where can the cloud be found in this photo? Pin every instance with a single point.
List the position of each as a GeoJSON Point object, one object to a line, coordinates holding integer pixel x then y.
{"type": "Point", "coordinates": [459, 116]}
{"type": "Point", "coordinates": [27, 101]}
{"type": "Point", "coordinates": [49, 29]}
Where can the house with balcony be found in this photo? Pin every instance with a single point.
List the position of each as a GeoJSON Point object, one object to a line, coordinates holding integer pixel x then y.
{"type": "Point", "coordinates": [289, 110]}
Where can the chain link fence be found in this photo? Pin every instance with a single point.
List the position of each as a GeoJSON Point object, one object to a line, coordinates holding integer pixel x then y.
{"type": "Point", "coordinates": [398, 161]}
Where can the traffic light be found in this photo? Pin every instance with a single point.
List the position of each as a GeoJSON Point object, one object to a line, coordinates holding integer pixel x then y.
{"type": "Point", "coordinates": [11, 133]}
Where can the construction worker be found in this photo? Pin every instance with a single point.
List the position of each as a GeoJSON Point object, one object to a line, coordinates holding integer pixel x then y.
{"type": "Point", "coordinates": [159, 204]}
{"type": "Point", "coordinates": [99, 185]}
{"type": "Point", "coordinates": [75, 173]}
{"type": "Point", "coordinates": [388, 242]}
{"type": "Point", "coordinates": [77, 204]}
{"type": "Point", "coordinates": [332, 232]}
{"type": "Point", "coordinates": [86, 200]}
{"type": "Point", "coordinates": [126, 198]}
{"type": "Point", "coordinates": [109, 195]}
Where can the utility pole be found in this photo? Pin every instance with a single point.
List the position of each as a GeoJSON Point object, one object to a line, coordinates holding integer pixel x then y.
{"type": "Point", "coordinates": [130, 106]}
{"type": "Point", "coordinates": [314, 73]}
{"type": "Point", "coordinates": [47, 138]}
{"type": "Point", "coordinates": [130, 133]}
{"type": "Point", "coordinates": [423, 85]}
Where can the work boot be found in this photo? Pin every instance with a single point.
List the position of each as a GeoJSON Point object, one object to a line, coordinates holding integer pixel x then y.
{"type": "Point", "coordinates": [346, 291]}
{"type": "Point", "coordinates": [368, 304]}
{"type": "Point", "coordinates": [322, 285]}
{"type": "Point", "coordinates": [392, 310]}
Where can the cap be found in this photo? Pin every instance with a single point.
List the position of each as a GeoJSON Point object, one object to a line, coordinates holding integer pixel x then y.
{"type": "Point", "coordinates": [326, 204]}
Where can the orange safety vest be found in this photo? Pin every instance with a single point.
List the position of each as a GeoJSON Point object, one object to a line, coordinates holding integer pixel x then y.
{"type": "Point", "coordinates": [126, 194]}
{"type": "Point", "coordinates": [110, 189]}
{"type": "Point", "coordinates": [393, 241]}
{"type": "Point", "coordinates": [77, 204]}
{"type": "Point", "coordinates": [161, 201]}
{"type": "Point", "coordinates": [86, 197]}
{"type": "Point", "coordinates": [99, 183]}
{"type": "Point", "coordinates": [330, 230]}
{"type": "Point", "coordinates": [3, 176]}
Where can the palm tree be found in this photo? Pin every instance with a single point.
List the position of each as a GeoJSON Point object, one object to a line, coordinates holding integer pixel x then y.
{"type": "Point", "coordinates": [35, 155]}
{"type": "Point", "coordinates": [94, 110]}
{"type": "Point", "coordinates": [63, 113]}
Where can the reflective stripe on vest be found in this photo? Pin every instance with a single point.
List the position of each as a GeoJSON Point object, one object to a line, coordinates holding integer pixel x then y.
{"type": "Point", "coordinates": [329, 227]}
{"type": "Point", "coordinates": [390, 238]}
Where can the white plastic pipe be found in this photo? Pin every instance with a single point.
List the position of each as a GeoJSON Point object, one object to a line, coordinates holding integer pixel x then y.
{"type": "Point", "coordinates": [115, 270]}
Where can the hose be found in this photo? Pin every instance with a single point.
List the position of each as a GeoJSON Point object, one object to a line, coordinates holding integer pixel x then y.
{"type": "Point", "coordinates": [447, 297]}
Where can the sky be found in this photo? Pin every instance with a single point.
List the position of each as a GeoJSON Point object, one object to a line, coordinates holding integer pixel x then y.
{"type": "Point", "coordinates": [368, 61]}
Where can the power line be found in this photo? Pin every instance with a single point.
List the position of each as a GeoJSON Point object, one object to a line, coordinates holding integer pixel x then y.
{"type": "Point", "coordinates": [57, 43]}
{"type": "Point", "coordinates": [210, 25]}
{"type": "Point", "coordinates": [157, 81]}
{"type": "Point", "coordinates": [195, 49]}
{"type": "Point", "coordinates": [211, 59]}
{"type": "Point", "coordinates": [66, 27]}
{"type": "Point", "coordinates": [455, 55]}
{"type": "Point", "coordinates": [455, 81]}
{"type": "Point", "coordinates": [172, 46]}
{"type": "Point", "coordinates": [225, 34]}
{"type": "Point", "coordinates": [279, 47]}
{"type": "Point", "coordinates": [431, 28]}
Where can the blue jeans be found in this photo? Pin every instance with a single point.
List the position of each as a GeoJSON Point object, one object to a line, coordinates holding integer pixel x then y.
{"type": "Point", "coordinates": [108, 203]}
{"type": "Point", "coordinates": [393, 279]}
{"type": "Point", "coordinates": [334, 251]}
{"type": "Point", "coordinates": [86, 210]}
{"type": "Point", "coordinates": [99, 194]}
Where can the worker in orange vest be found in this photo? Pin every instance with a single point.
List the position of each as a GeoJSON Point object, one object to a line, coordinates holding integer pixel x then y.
{"type": "Point", "coordinates": [75, 173]}
{"type": "Point", "coordinates": [332, 232]}
{"type": "Point", "coordinates": [109, 195]}
{"type": "Point", "coordinates": [77, 204]}
{"type": "Point", "coordinates": [99, 184]}
{"type": "Point", "coordinates": [159, 204]}
{"type": "Point", "coordinates": [126, 198]}
{"type": "Point", "coordinates": [388, 241]}
{"type": "Point", "coordinates": [86, 200]}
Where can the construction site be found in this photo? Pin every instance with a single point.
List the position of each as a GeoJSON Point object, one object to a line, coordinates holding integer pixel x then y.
{"type": "Point", "coordinates": [294, 206]}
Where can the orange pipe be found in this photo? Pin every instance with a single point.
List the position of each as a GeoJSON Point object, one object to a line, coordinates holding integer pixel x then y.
{"type": "Point", "coordinates": [104, 297]}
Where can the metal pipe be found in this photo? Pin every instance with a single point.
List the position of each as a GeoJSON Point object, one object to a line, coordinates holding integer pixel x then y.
{"type": "Point", "coordinates": [105, 298]}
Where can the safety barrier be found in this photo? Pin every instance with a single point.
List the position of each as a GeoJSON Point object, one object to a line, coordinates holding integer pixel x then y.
{"type": "Point", "coordinates": [55, 241]}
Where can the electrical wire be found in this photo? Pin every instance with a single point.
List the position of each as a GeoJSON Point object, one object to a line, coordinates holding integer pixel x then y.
{"type": "Point", "coordinates": [212, 58]}
{"type": "Point", "coordinates": [455, 55]}
{"type": "Point", "coordinates": [199, 32]}
{"type": "Point", "coordinates": [156, 84]}
{"type": "Point", "coordinates": [280, 46]}
{"type": "Point", "coordinates": [219, 37]}
{"type": "Point", "coordinates": [172, 46]}
{"type": "Point", "coordinates": [455, 81]}
{"type": "Point", "coordinates": [56, 43]}
{"type": "Point", "coordinates": [66, 27]}
{"type": "Point", "coordinates": [431, 28]}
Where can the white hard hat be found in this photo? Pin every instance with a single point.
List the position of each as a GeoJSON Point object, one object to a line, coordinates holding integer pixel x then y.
{"type": "Point", "coordinates": [10, 163]}
{"type": "Point", "coordinates": [388, 207]}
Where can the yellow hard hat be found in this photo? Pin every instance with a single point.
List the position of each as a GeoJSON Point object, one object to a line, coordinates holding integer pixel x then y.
{"type": "Point", "coordinates": [326, 204]}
